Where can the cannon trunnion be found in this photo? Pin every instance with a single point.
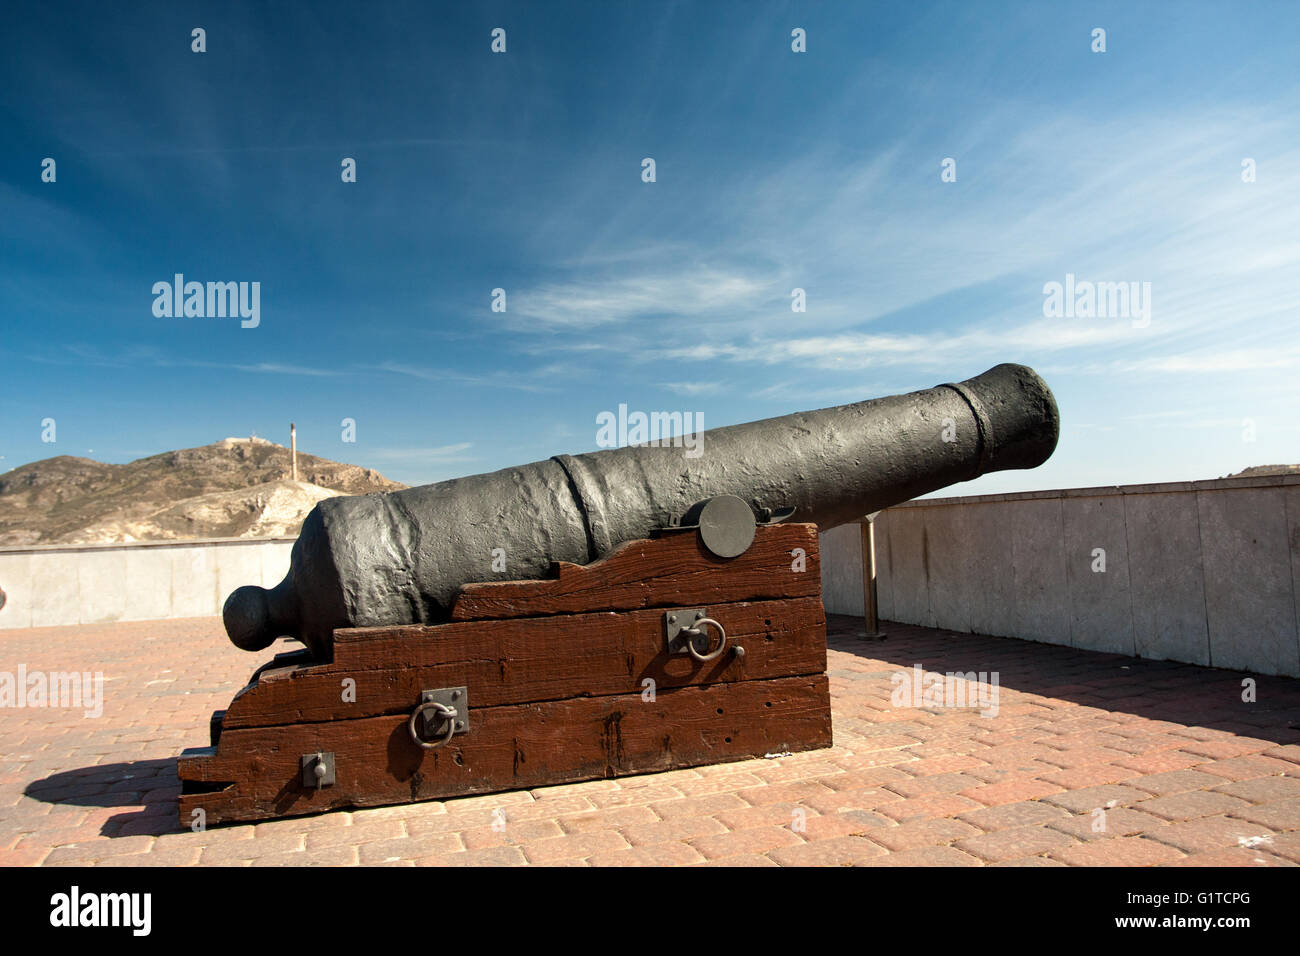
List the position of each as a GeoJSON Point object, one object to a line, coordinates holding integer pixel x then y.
{"type": "Point", "coordinates": [613, 668]}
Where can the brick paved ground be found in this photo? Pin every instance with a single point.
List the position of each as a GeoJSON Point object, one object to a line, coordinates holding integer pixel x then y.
{"type": "Point", "coordinates": [1166, 756]}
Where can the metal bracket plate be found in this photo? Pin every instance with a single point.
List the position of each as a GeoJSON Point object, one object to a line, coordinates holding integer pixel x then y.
{"type": "Point", "coordinates": [676, 621]}
{"type": "Point", "coordinates": [432, 723]}
{"type": "Point", "coordinates": [317, 770]}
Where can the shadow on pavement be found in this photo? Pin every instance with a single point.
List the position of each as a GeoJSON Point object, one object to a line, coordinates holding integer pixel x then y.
{"type": "Point", "coordinates": [149, 787]}
{"type": "Point", "coordinates": [1171, 691]}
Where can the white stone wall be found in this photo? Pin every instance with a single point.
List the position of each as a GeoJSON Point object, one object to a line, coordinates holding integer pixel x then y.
{"type": "Point", "coordinates": [1205, 572]}
{"type": "Point", "coordinates": [93, 584]}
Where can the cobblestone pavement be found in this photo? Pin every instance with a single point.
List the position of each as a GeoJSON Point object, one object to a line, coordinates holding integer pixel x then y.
{"type": "Point", "coordinates": [1091, 759]}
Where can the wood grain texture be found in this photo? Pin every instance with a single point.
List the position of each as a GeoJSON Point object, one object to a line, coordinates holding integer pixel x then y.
{"type": "Point", "coordinates": [518, 661]}
{"type": "Point", "coordinates": [556, 672]}
{"type": "Point", "coordinates": [674, 570]}
{"type": "Point", "coordinates": [509, 747]}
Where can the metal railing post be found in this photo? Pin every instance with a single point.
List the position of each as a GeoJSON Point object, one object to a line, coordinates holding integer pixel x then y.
{"type": "Point", "coordinates": [869, 613]}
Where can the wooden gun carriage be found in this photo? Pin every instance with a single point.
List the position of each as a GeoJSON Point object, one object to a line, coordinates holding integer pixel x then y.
{"type": "Point", "coordinates": [583, 676]}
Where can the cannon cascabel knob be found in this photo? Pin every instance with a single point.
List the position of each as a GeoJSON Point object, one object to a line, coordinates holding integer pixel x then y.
{"type": "Point", "coordinates": [248, 618]}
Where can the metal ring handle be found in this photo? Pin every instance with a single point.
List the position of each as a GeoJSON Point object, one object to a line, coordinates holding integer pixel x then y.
{"type": "Point", "coordinates": [448, 714]}
{"type": "Point", "coordinates": [696, 631]}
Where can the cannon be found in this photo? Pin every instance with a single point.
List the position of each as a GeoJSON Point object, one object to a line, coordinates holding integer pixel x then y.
{"type": "Point", "coordinates": [402, 557]}
{"type": "Point", "coordinates": [631, 610]}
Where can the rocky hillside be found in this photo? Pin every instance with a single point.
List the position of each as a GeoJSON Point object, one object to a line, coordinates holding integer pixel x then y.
{"type": "Point", "coordinates": [238, 487]}
{"type": "Point", "coordinates": [1257, 471]}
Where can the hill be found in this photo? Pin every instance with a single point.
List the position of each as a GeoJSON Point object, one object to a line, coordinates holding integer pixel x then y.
{"type": "Point", "coordinates": [1257, 471]}
{"type": "Point", "coordinates": [238, 487]}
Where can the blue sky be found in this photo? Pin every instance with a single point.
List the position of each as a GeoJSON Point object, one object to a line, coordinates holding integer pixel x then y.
{"type": "Point", "coordinates": [522, 171]}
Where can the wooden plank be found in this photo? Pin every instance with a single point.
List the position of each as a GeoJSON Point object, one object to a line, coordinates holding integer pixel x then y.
{"type": "Point", "coordinates": [517, 661]}
{"type": "Point", "coordinates": [674, 570]}
{"type": "Point", "coordinates": [509, 747]}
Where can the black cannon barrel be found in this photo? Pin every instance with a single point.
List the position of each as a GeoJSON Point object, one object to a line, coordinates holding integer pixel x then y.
{"type": "Point", "coordinates": [401, 558]}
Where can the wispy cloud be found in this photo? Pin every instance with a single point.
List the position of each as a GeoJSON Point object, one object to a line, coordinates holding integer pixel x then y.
{"type": "Point", "coordinates": [877, 258]}
{"type": "Point", "coordinates": [693, 388]}
{"type": "Point", "coordinates": [275, 368]}
{"type": "Point", "coordinates": [440, 455]}
{"type": "Point", "coordinates": [505, 380]}
{"type": "Point", "coordinates": [693, 292]}
{"type": "Point", "coordinates": [1236, 360]}
{"type": "Point", "coordinates": [147, 356]}
{"type": "Point", "coordinates": [851, 351]}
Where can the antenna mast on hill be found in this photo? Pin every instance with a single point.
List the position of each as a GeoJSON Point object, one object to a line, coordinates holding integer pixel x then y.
{"type": "Point", "coordinates": [293, 448]}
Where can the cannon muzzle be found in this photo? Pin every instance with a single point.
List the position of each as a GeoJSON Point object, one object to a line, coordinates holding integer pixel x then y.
{"type": "Point", "coordinates": [401, 558]}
